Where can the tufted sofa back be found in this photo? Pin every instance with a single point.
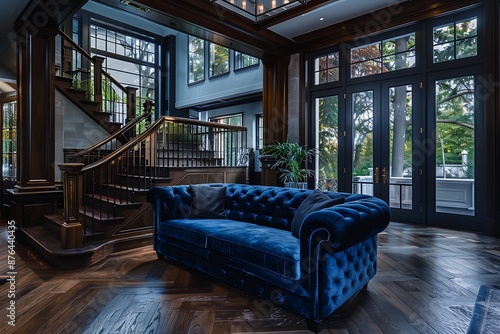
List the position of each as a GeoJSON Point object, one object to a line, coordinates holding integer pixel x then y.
{"type": "Point", "coordinates": [262, 205]}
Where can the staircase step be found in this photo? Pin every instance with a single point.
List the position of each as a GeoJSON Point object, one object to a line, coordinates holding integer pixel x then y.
{"type": "Point", "coordinates": [103, 217]}
{"type": "Point", "coordinates": [112, 126]}
{"type": "Point", "coordinates": [127, 188]}
{"type": "Point", "coordinates": [64, 82]}
{"type": "Point", "coordinates": [141, 180]}
{"type": "Point", "coordinates": [49, 247]}
{"type": "Point", "coordinates": [93, 107]}
{"type": "Point", "coordinates": [53, 223]}
{"type": "Point", "coordinates": [111, 201]}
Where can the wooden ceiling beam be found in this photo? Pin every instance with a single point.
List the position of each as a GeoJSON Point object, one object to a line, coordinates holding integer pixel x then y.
{"type": "Point", "coordinates": [214, 23]}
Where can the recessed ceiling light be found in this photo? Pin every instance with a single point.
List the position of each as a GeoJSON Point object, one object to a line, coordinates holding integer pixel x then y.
{"type": "Point", "coordinates": [321, 18]}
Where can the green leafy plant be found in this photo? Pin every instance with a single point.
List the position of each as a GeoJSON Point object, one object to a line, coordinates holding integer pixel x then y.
{"type": "Point", "coordinates": [290, 158]}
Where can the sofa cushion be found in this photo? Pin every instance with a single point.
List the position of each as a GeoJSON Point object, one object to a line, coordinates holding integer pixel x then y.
{"type": "Point", "coordinates": [317, 200]}
{"type": "Point", "coordinates": [208, 202]}
{"type": "Point", "coordinates": [269, 249]}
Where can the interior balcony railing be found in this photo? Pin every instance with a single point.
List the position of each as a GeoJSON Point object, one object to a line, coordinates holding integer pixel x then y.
{"type": "Point", "coordinates": [87, 74]}
{"type": "Point", "coordinates": [103, 191]}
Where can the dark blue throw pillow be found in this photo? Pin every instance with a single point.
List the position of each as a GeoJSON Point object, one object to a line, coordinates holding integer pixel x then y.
{"type": "Point", "coordinates": [207, 202]}
{"type": "Point", "coordinates": [317, 200]}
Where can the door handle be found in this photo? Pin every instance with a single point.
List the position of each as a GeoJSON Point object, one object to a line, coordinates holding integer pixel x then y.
{"type": "Point", "coordinates": [384, 175]}
{"type": "Point", "coordinates": [375, 176]}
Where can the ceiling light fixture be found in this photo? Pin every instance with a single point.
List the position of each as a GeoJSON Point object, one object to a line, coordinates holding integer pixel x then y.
{"type": "Point", "coordinates": [136, 6]}
{"type": "Point", "coordinates": [258, 10]}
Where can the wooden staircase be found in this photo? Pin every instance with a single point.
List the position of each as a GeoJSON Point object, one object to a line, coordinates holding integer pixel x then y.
{"type": "Point", "coordinates": [113, 212]}
{"type": "Point", "coordinates": [90, 108]}
{"type": "Point", "coordinates": [105, 186]}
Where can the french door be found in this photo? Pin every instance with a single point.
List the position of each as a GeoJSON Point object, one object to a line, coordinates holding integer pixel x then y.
{"type": "Point", "coordinates": [456, 158]}
{"type": "Point", "coordinates": [368, 139]}
{"type": "Point", "coordinates": [421, 158]}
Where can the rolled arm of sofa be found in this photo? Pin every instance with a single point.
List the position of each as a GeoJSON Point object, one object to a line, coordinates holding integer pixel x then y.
{"type": "Point", "coordinates": [347, 224]}
{"type": "Point", "coordinates": [168, 202]}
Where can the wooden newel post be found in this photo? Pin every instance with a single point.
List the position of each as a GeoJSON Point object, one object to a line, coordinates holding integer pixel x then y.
{"type": "Point", "coordinates": [131, 102]}
{"type": "Point", "coordinates": [71, 230]}
{"type": "Point", "coordinates": [98, 61]}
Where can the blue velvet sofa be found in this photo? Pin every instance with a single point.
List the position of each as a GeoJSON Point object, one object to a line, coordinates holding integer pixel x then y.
{"type": "Point", "coordinates": [252, 246]}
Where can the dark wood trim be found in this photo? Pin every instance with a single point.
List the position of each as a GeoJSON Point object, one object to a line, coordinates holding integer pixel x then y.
{"type": "Point", "coordinates": [275, 99]}
{"type": "Point", "coordinates": [492, 13]}
{"type": "Point", "coordinates": [397, 15]}
{"type": "Point", "coordinates": [36, 105]}
{"type": "Point", "coordinates": [207, 21]}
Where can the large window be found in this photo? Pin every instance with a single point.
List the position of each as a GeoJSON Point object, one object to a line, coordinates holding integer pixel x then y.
{"type": "Point", "coordinates": [196, 59]}
{"type": "Point", "coordinates": [236, 119]}
{"type": "Point", "coordinates": [9, 140]}
{"type": "Point", "coordinates": [259, 140]}
{"type": "Point", "coordinates": [219, 60]}
{"type": "Point", "coordinates": [129, 59]}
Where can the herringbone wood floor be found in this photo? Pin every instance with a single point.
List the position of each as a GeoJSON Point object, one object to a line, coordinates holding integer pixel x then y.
{"type": "Point", "coordinates": [427, 282]}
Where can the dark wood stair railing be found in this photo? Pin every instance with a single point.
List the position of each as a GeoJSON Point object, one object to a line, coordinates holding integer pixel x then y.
{"type": "Point", "coordinates": [109, 144]}
{"type": "Point", "coordinates": [111, 192]}
{"type": "Point", "coordinates": [91, 88]}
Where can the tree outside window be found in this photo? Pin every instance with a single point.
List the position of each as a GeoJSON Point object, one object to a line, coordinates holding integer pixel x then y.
{"type": "Point", "coordinates": [219, 60]}
{"type": "Point", "coordinates": [196, 59]}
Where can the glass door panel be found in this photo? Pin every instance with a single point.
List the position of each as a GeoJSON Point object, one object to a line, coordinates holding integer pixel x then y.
{"type": "Point", "coordinates": [400, 147]}
{"type": "Point", "coordinates": [9, 151]}
{"type": "Point", "coordinates": [362, 150]}
{"type": "Point", "coordinates": [455, 145]}
{"type": "Point", "coordinates": [327, 139]}
{"type": "Point", "coordinates": [9, 140]}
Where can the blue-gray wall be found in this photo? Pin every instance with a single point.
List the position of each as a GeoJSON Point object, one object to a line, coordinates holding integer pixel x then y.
{"type": "Point", "coordinates": [239, 83]}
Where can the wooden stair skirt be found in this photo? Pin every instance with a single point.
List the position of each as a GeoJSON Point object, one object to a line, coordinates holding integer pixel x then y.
{"type": "Point", "coordinates": [108, 224]}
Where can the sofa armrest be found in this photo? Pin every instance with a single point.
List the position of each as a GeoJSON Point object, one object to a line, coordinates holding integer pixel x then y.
{"type": "Point", "coordinates": [345, 224]}
{"type": "Point", "coordinates": [169, 202]}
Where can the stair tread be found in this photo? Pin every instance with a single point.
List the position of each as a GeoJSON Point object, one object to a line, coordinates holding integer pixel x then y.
{"type": "Point", "coordinates": [56, 218]}
{"type": "Point", "coordinates": [98, 215]}
{"type": "Point", "coordinates": [122, 187]}
{"type": "Point", "coordinates": [166, 178]}
{"type": "Point", "coordinates": [112, 200]}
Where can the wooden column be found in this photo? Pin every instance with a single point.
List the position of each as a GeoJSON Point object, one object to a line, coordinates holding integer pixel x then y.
{"type": "Point", "coordinates": [35, 193]}
{"type": "Point", "coordinates": [274, 110]}
{"type": "Point", "coordinates": [275, 99]}
{"type": "Point", "coordinates": [35, 122]}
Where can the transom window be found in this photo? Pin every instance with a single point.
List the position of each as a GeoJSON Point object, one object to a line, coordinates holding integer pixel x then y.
{"type": "Point", "coordinates": [455, 40]}
{"type": "Point", "coordinates": [242, 60]}
{"type": "Point", "coordinates": [326, 68]}
{"type": "Point", "coordinates": [383, 56]}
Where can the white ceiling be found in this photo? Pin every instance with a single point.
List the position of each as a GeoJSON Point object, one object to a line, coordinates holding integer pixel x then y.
{"type": "Point", "coordinates": [332, 12]}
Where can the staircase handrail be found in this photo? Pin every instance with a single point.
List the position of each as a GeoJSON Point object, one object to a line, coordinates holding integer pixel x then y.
{"type": "Point", "coordinates": [89, 57]}
{"type": "Point", "coordinates": [112, 86]}
{"type": "Point", "coordinates": [104, 189]}
{"type": "Point", "coordinates": [130, 125]}
{"type": "Point", "coordinates": [153, 128]}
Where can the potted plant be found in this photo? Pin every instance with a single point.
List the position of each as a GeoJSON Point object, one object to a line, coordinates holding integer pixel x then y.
{"type": "Point", "coordinates": [290, 158]}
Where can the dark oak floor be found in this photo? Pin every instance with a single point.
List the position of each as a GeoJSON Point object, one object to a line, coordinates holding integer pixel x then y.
{"type": "Point", "coordinates": [427, 282]}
